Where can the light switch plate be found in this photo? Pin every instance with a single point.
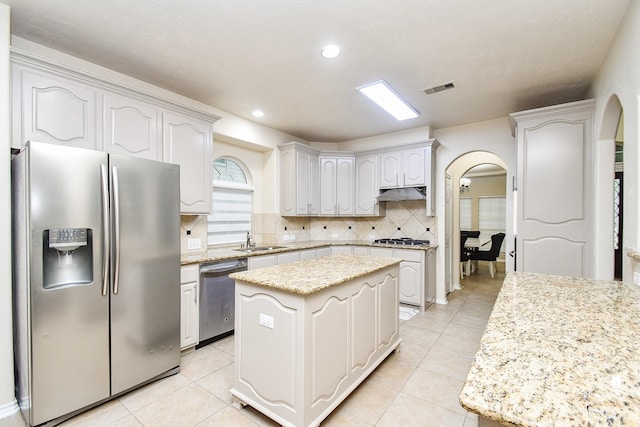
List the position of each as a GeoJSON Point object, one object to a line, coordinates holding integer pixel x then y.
{"type": "Point", "coordinates": [266, 321]}
{"type": "Point", "coordinates": [194, 243]}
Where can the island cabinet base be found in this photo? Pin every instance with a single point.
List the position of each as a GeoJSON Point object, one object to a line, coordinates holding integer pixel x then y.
{"type": "Point", "coordinates": [298, 356]}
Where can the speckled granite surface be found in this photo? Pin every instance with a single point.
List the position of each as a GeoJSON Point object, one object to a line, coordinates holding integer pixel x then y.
{"type": "Point", "coordinates": [559, 351]}
{"type": "Point", "coordinates": [219, 254]}
{"type": "Point", "coordinates": [307, 277]}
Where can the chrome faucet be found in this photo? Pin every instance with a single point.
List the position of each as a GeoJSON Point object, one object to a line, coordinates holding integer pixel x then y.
{"type": "Point", "coordinates": [249, 242]}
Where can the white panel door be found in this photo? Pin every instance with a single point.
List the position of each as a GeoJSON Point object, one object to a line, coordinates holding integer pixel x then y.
{"type": "Point", "coordinates": [554, 214]}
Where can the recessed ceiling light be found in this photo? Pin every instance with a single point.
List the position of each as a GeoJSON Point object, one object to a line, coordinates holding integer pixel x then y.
{"type": "Point", "coordinates": [330, 51]}
{"type": "Point", "coordinates": [257, 113]}
{"type": "Point", "coordinates": [382, 94]}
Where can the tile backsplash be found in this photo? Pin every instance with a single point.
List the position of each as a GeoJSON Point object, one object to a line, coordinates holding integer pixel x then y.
{"type": "Point", "coordinates": [402, 219]}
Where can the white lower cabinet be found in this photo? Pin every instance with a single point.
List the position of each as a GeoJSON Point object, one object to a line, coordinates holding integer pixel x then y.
{"type": "Point", "coordinates": [417, 274]}
{"type": "Point", "coordinates": [188, 306]}
{"type": "Point", "coordinates": [262, 261]}
{"type": "Point", "coordinates": [320, 252]}
{"type": "Point", "coordinates": [335, 250]}
{"type": "Point", "coordinates": [288, 257]}
{"type": "Point", "coordinates": [308, 254]}
{"type": "Point", "coordinates": [360, 250]}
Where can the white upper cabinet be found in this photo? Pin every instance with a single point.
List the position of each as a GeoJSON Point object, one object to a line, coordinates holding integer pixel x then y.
{"type": "Point", "coordinates": [403, 168]}
{"type": "Point", "coordinates": [414, 167]}
{"type": "Point", "coordinates": [188, 142]}
{"type": "Point", "coordinates": [367, 186]}
{"type": "Point", "coordinates": [337, 185]}
{"type": "Point", "coordinates": [53, 109]}
{"type": "Point", "coordinates": [411, 166]}
{"type": "Point", "coordinates": [59, 105]}
{"type": "Point", "coordinates": [130, 127]}
{"type": "Point", "coordinates": [299, 180]}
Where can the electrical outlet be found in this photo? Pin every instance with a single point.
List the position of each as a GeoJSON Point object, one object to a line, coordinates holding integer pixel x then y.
{"type": "Point", "coordinates": [636, 278]}
{"type": "Point", "coordinates": [194, 243]}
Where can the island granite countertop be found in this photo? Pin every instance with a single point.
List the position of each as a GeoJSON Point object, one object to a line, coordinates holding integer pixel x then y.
{"type": "Point", "coordinates": [556, 351]}
{"type": "Point", "coordinates": [309, 276]}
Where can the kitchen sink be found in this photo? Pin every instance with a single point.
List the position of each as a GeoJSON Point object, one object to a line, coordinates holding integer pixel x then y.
{"type": "Point", "coordinates": [259, 248]}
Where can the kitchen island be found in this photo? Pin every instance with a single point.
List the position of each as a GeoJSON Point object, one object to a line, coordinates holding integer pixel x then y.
{"type": "Point", "coordinates": [558, 350]}
{"type": "Point", "coordinates": [308, 333]}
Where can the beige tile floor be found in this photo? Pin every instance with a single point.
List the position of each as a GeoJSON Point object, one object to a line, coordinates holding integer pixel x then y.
{"type": "Point", "coordinates": [417, 386]}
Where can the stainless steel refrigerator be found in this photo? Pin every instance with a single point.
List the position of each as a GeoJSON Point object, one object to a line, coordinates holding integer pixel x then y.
{"type": "Point", "coordinates": [96, 276]}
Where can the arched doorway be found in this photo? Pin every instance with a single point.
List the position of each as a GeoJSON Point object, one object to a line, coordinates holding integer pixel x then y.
{"type": "Point", "coordinates": [610, 161]}
{"type": "Point", "coordinates": [453, 173]}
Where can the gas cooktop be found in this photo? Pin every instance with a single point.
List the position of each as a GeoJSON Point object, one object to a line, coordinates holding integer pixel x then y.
{"type": "Point", "coordinates": [405, 241]}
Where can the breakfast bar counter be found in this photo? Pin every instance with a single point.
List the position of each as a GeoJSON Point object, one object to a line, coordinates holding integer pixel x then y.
{"type": "Point", "coordinates": [307, 333]}
{"type": "Point", "coordinates": [558, 351]}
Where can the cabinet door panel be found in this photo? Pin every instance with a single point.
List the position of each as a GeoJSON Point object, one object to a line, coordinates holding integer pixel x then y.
{"type": "Point", "coordinates": [188, 143]}
{"type": "Point", "coordinates": [56, 110]}
{"type": "Point", "coordinates": [554, 216]}
{"type": "Point", "coordinates": [328, 186]}
{"type": "Point", "coordinates": [130, 128]}
{"type": "Point", "coordinates": [409, 282]}
{"type": "Point", "coordinates": [188, 315]}
{"type": "Point", "coordinates": [345, 184]}
{"type": "Point", "coordinates": [413, 162]}
{"type": "Point", "coordinates": [367, 186]}
{"type": "Point", "coordinates": [390, 164]}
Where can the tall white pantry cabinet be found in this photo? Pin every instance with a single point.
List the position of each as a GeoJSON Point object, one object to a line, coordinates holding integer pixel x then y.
{"type": "Point", "coordinates": [58, 105]}
{"type": "Point", "coordinates": [554, 211]}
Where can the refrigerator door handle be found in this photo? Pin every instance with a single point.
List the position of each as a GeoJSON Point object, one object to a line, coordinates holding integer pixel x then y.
{"type": "Point", "coordinates": [115, 191]}
{"type": "Point", "coordinates": [104, 183]}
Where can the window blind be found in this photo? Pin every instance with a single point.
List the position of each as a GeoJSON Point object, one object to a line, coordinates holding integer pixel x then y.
{"type": "Point", "coordinates": [231, 216]}
{"type": "Point", "coordinates": [465, 213]}
{"type": "Point", "coordinates": [492, 215]}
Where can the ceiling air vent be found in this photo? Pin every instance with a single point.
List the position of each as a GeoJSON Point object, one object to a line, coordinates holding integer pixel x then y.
{"type": "Point", "coordinates": [440, 88]}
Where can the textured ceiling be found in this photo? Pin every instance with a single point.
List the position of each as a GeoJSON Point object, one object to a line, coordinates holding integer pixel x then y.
{"type": "Point", "coordinates": [238, 55]}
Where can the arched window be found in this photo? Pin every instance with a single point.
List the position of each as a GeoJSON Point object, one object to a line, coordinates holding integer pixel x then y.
{"type": "Point", "coordinates": [230, 218]}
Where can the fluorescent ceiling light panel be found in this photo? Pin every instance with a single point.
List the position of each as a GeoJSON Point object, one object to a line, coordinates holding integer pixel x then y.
{"type": "Point", "coordinates": [382, 94]}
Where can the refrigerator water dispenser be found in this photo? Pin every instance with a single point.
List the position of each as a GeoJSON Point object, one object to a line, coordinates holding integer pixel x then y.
{"type": "Point", "coordinates": [67, 257]}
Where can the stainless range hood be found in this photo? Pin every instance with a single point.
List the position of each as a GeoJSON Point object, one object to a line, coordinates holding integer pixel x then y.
{"type": "Point", "coordinates": [405, 193]}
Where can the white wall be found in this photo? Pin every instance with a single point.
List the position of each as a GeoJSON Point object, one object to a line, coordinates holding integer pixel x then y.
{"type": "Point", "coordinates": [620, 76]}
{"type": "Point", "coordinates": [492, 136]}
{"type": "Point", "coordinates": [7, 399]}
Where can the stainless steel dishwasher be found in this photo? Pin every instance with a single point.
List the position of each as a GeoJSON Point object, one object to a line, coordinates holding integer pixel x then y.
{"type": "Point", "coordinates": [217, 299]}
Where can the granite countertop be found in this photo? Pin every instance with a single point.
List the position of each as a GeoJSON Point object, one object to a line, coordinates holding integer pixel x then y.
{"type": "Point", "coordinates": [558, 350]}
{"type": "Point", "coordinates": [307, 277]}
{"type": "Point", "coordinates": [223, 253]}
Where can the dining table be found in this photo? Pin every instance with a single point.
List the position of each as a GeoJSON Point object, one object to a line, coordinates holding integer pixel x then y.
{"type": "Point", "coordinates": [473, 244]}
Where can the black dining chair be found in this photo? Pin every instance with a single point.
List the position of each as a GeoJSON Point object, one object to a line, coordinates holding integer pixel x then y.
{"type": "Point", "coordinates": [464, 256]}
{"type": "Point", "coordinates": [491, 255]}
